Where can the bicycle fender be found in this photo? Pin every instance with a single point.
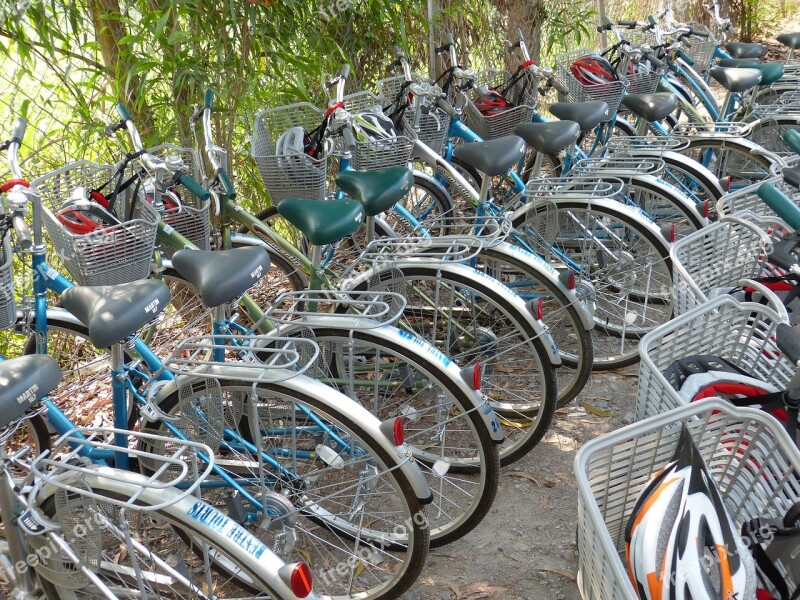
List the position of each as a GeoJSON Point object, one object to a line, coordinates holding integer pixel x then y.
{"type": "Point", "coordinates": [468, 273]}
{"type": "Point", "coordinates": [337, 403]}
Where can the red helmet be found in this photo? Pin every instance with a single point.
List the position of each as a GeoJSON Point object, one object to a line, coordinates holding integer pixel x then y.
{"type": "Point", "coordinates": [82, 216]}
{"type": "Point", "coordinates": [492, 103]}
{"type": "Point", "coordinates": [592, 70]}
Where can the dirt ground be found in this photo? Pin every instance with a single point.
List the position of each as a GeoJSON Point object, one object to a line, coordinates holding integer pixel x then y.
{"type": "Point", "coordinates": [525, 548]}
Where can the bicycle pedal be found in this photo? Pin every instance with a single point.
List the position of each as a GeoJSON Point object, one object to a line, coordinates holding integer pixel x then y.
{"type": "Point", "coordinates": [236, 508]}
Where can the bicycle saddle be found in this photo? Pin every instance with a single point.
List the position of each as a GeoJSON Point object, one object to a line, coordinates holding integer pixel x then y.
{"type": "Point", "coordinates": [746, 49]}
{"type": "Point", "coordinates": [651, 107]}
{"type": "Point", "coordinates": [113, 312]}
{"type": "Point", "coordinates": [377, 190]}
{"type": "Point", "coordinates": [792, 40]}
{"type": "Point", "coordinates": [222, 276]}
{"type": "Point", "coordinates": [494, 157]}
{"type": "Point", "coordinates": [323, 221]}
{"type": "Point", "coordinates": [736, 80]}
{"type": "Point", "coordinates": [587, 115]}
{"type": "Point", "coordinates": [770, 72]}
{"type": "Point", "coordinates": [549, 138]}
{"type": "Point", "coordinates": [737, 62]}
{"type": "Point", "coordinates": [23, 382]}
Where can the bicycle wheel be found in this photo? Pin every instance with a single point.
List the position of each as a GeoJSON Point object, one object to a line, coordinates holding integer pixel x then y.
{"type": "Point", "coordinates": [664, 204]}
{"type": "Point", "coordinates": [392, 376]}
{"type": "Point", "coordinates": [473, 319]}
{"type": "Point", "coordinates": [160, 563]}
{"type": "Point", "coordinates": [768, 133]}
{"type": "Point", "coordinates": [426, 200]}
{"type": "Point", "coordinates": [737, 161]}
{"type": "Point", "coordinates": [331, 493]}
{"type": "Point", "coordinates": [561, 312]}
{"type": "Point", "coordinates": [622, 263]}
{"type": "Point", "coordinates": [693, 180]}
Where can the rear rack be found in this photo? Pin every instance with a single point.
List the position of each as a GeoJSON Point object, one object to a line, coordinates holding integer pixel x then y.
{"type": "Point", "coordinates": [446, 248]}
{"type": "Point", "coordinates": [619, 165]}
{"type": "Point", "coordinates": [180, 469]}
{"type": "Point", "coordinates": [720, 129]}
{"type": "Point", "coordinates": [362, 309]}
{"type": "Point", "coordinates": [491, 229]}
{"type": "Point", "coordinates": [645, 144]}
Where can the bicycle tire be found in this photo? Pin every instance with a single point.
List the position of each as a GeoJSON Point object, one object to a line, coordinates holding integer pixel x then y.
{"type": "Point", "coordinates": [768, 133]}
{"type": "Point", "coordinates": [496, 332]}
{"type": "Point", "coordinates": [731, 158]}
{"type": "Point", "coordinates": [191, 533]}
{"type": "Point", "coordinates": [693, 179]}
{"type": "Point", "coordinates": [609, 275]}
{"type": "Point", "coordinates": [322, 524]}
{"type": "Point", "coordinates": [664, 204]}
{"type": "Point", "coordinates": [560, 316]}
{"type": "Point", "coordinates": [437, 412]}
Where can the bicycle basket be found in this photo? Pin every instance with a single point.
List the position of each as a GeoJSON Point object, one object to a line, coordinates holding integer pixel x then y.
{"type": "Point", "coordinates": [8, 310]}
{"type": "Point", "coordinates": [743, 333]}
{"type": "Point", "coordinates": [108, 256]}
{"type": "Point", "coordinates": [611, 93]}
{"type": "Point", "coordinates": [701, 50]}
{"type": "Point", "coordinates": [288, 175]}
{"type": "Point", "coordinates": [191, 220]}
{"type": "Point", "coordinates": [715, 258]}
{"type": "Point", "coordinates": [378, 152]}
{"type": "Point", "coordinates": [749, 455]}
{"type": "Point", "coordinates": [502, 122]}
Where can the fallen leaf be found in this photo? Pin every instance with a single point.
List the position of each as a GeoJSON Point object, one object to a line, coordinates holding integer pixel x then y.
{"type": "Point", "coordinates": [527, 476]}
{"type": "Point", "coordinates": [596, 411]}
{"type": "Point", "coordinates": [550, 484]}
{"type": "Point", "coordinates": [543, 501]}
{"type": "Point", "coordinates": [566, 574]}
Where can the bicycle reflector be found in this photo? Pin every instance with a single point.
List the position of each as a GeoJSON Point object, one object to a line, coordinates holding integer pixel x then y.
{"type": "Point", "coordinates": [668, 231]}
{"type": "Point", "coordinates": [394, 430]}
{"type": "Point", "coordinates": [473, 375]}
{"type": "Point", "coordinates": [539, 309]}
{"type": "Point", "coordinates": [567, 278]}
{"type": "Point", "coordinates": [298, 577]}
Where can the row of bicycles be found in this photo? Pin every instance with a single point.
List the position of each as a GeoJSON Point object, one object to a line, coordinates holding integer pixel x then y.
{"type": "Point", "coordinates": [205, 401]}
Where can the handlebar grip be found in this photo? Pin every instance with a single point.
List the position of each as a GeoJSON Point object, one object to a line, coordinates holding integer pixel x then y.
{"type": "Point", "coordinates": [449, 39]}
{"type": "Point", "coordinates": [559, 86]}
{"type": "Point", "coordinates": [792, 139]}
{"type": "Point", "coordinates": [685, 57]}
{"type": "Point", "coordinates": [23, 232]}
{"type": "Point", "coordinates": [782, 254]}
{"type": "Point", "coordinates": [194, 187]}
{"type": "Point", "coordinates": [345, 71]}
{"type": "Point", "coordinates": [779, 203]}
{"type": "Point", "coordinates": [628, 24]}
{"type": "Point", "coordinates": [606, 21]}
{"type": "Point", "coordinates": [787, 339]}
{"type": "Point", "coordinates": [651, 19]}
{"type": "Point", "coordinates": [397, 51]}
{"type": "Point", "coordinates": [19, 130]}
{"type": "Point", "coordinates": [349, 138]}
{"type": "Point", "coordinates": [653, 60]}
{"type": "Point", "coordinates": [447, 108]}
{"type": "Point", "coordinates": [519, 34]}
{"type": "Point", "coordinates": [700, 34]}
{"type": "Point", "coordinates": [122, 111]}
{"type": "Point", "coordinates": [209, 99]}
{"type": "Point", "coordinates": [226, 182]}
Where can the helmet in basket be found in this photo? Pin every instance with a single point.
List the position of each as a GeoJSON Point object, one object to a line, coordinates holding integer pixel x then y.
{"type": "Point", "coordinates": [492, 103]}
{"type": "Point", "coordinates": [83, 216]}
{"type": "Point", "coordinates": [680, 542]}
{"type": "Point", "coordinates": [593, 69]}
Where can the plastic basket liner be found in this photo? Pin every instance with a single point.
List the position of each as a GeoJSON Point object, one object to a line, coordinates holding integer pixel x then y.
{"type": "Point", "coordinates": [110, 255]}
{"type": "Point", "coordinates": [521, 94]}
{"type": "Point", "coordinates": [288, 175]}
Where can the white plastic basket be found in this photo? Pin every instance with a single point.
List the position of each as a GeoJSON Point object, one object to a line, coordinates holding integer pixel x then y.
{"type": "Point", "coordinates": [747, 198]}
{"type": "Point", "coordinates": [741, 332]}
{"type": "Point", "coordinates": [752, 459]}
{"type": "Point", "coordinates": [715, 258]}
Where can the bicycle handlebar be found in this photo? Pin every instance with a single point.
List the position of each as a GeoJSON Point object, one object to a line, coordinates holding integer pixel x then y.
{"type": "Point", "coordinates": [209, 98]}
{"type": "Point", "coordinates": [558, 85]}
{"type": "Point", "coordinates": [22, 231]}
{"type": "Point", "coordinates": [13, 147]}
{"type": "Point", "coordinates": [348, 137]}
{"type": "Point", "coordinates": [194, 187]}
{"type": "Point", "coordinates": [779, 203]}
{"type": "Point", "coordinates": [447, 108]}
{"type": "Point", "coordinates": [19, 130]}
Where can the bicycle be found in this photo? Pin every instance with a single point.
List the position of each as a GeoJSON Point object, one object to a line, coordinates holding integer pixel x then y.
{"type": "Point", "coordinates": [71, 523]}
{"type": "Point", "coordinates": [346, 440]}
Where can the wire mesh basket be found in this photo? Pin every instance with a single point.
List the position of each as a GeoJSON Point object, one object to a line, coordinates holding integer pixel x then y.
{"type": "Point", "coordinates": [747, 199]}
{"type": "Point", "coordinates": [378, 153]}
{"type": "Point", "coordinates": [8, 310]}
{"type": "Point", "coordinates": [714, 259]}
{"type": "Point", "coordinates": [191, 219]}
{"type": "Point", "coordinates": [521, 94]}
{"type": "Point", "coordinates": [430, 128]}
{"type": "Point", "coordinates": [749, 455]}
{"type": "Point", "coordinates": [743, 333]}
{"type": "Point", "coordinates": [700, 50]}
{"type": "Point", "coordinates": [642, 82]}
{"type": "Point", "coordinates": [288, 175]}
{"type": "Point", "coordinates": [107, 256]}
{"type": "Point", "coordinates": [611, 93]}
